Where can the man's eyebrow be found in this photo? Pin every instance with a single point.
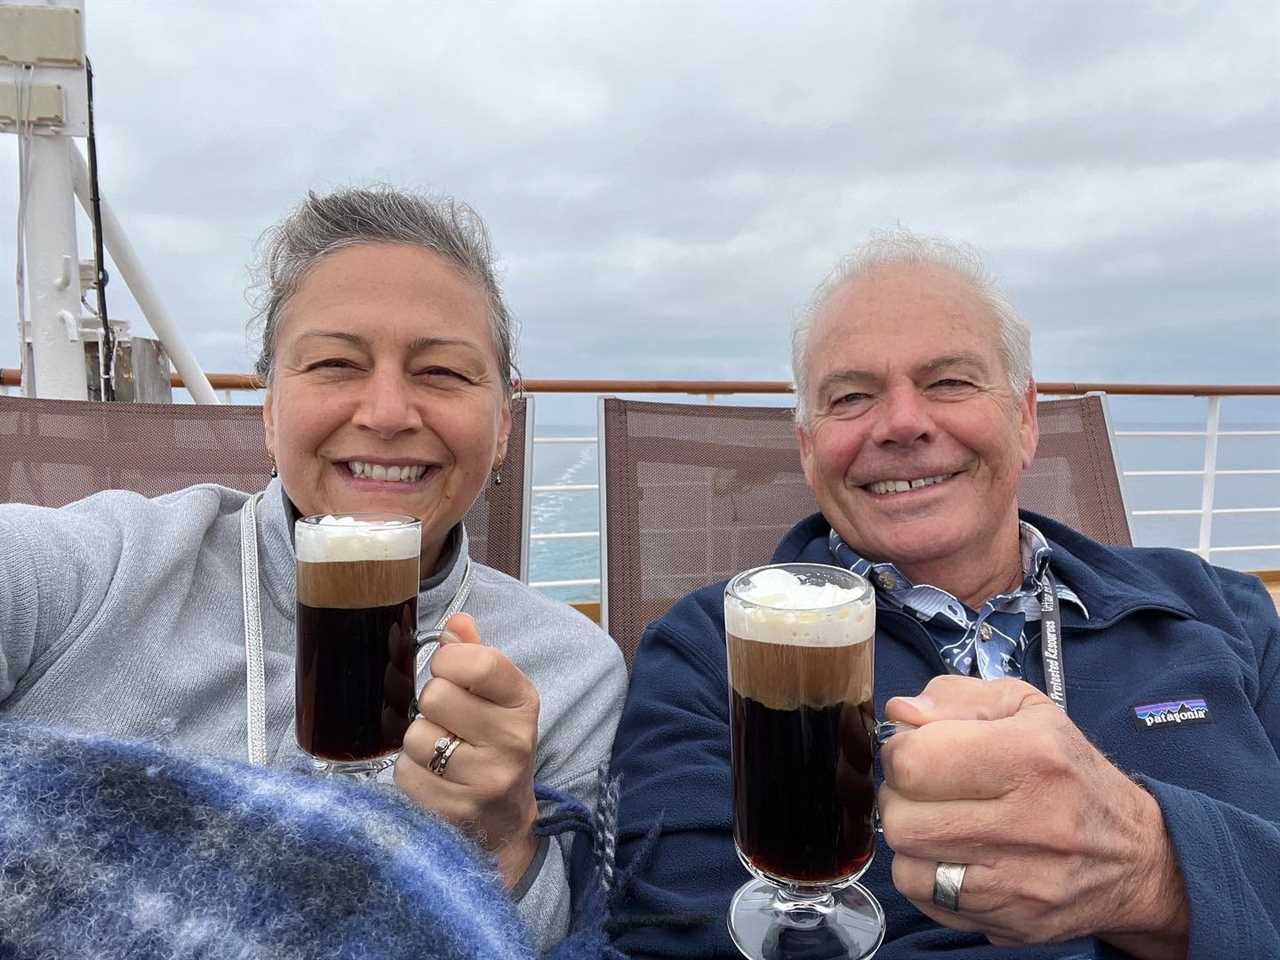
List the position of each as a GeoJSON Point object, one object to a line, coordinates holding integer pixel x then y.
{"type": "Point", "coordinates": [955, 360]}
{"type": "Point", "coordinates": [847, 375]}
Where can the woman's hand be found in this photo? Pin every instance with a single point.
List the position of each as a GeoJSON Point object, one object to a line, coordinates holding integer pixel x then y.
{"type": "Point", "coordinates": [476, 694]}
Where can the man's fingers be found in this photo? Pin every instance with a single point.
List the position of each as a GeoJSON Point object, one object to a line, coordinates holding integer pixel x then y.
{"type": "Point", "coordinates": [964, 698]}
{"type": "Point", "coordinates": [955, 760]}
{"type": "Point", "coordinates": [482, 671]}
{"type": "Point", "coordinates": [960, 831]}
{"type": "Point", "coordinates": [913, 878]}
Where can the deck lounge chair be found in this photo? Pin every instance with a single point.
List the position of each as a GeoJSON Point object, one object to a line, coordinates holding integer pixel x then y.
{"type": "Point", "coordinates": [694, 493]}
{"type": "Point", "coordinates": [53, 452]}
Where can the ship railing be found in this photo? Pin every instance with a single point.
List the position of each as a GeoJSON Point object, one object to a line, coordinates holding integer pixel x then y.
{"type": "Point", "coordinates": [1208, 472]}
{"type": "Point", "coordinates": [234, 385]}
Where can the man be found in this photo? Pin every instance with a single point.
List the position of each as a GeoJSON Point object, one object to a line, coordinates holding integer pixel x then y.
{"type": "Point", "coordinates": [1074, 831]}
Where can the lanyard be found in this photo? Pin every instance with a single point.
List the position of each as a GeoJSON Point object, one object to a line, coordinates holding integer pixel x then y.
{"type": "Point", "coordinates": [1055, 682]}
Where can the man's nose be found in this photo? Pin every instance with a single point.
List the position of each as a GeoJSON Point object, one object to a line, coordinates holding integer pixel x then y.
{"type": "Point", "coordinates": [387, 407]}
{"type": "Point", "coordinates": [903, 418]}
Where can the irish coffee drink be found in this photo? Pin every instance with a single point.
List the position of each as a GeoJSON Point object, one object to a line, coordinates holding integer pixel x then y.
{"type": "Point", "coordinates": [357, 616]}
{"type": "Point", "coordinates": [800, 648]}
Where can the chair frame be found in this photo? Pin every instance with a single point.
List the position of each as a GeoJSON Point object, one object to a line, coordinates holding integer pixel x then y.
{"type": "Point", "coordinates": [603, 507]}
{"type": "Point", "coordinates": [527, 480]}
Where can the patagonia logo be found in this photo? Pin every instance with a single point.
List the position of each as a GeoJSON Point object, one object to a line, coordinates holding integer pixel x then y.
{"type": "Point", "coordinates": [1172, 713]}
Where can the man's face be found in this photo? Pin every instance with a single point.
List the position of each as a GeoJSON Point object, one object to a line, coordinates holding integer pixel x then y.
{"type": "Point", "coordinates": [914, 442]}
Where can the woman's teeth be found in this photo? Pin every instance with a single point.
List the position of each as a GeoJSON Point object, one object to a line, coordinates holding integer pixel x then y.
{"type": "Point", "coordinates": [376, 471]}
{"type": "Point", "coordinates": [881, 487]}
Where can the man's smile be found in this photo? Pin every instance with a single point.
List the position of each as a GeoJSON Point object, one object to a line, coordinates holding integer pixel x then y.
{"type": "Point", "coordinates": [885, 488]}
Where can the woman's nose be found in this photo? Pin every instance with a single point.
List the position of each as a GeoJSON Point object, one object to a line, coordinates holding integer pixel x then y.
{"type": "Point", "coordinates": [387, 407]}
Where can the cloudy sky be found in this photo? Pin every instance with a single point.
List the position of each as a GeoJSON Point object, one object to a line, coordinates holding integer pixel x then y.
{"type": "Point", "coordinates": [666, 182]}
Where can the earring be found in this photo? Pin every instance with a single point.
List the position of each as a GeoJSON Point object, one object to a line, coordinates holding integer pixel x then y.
{"type": "Point", "coordinates": [274, 473]}
{"type": "Point", "coordinates": [497, 474]}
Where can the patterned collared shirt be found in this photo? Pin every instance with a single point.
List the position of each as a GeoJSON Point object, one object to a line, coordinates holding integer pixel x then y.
{"type": "Point", "coordinates": [989, 642]}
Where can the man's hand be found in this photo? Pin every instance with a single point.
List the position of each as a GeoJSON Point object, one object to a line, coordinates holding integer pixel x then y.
{"type": "Point", "coordinates": [477, 694]}
{"type": "Point", "coordinates": [1058, 843]}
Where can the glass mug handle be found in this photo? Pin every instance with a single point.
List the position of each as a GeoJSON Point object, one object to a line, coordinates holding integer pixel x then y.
{"type": "Point", "coordinates": [421, 640]}
{"type": "Point", "coordinates": [881, 733]}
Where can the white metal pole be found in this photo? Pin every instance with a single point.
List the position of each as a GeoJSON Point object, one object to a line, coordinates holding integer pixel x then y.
{"type": "Point", "coordinates": [1210, 475]}
{"type": "Point", "coordinates": [53, 273]}
{"type": "Point", "coordinates": [130, 267]}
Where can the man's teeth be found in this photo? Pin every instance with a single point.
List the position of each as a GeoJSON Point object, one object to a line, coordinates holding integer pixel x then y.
{"type": "Point", "coordinates": [376, 471]}
{"type": "Point", "coordinates": [902, 486]}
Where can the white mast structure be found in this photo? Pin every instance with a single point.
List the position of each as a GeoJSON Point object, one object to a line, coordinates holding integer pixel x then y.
{"type": "Point", "coordinates": [44, 101]}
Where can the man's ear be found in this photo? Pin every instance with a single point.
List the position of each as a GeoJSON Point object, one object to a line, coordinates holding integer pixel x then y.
{"type": "Point", "coordinates": [1029, 430]}
{"type": "Point", "coordinates": [806, 453]}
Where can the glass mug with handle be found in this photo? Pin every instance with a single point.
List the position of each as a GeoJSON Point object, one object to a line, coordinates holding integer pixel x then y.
{"type": "Point", "coordinates": [802, 732]}
{"type": "Point", "coordinates": [357, 619]}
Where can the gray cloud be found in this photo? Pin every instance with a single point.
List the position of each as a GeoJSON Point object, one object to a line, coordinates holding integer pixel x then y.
{"type": "Point", "coordinates": [666, 183]}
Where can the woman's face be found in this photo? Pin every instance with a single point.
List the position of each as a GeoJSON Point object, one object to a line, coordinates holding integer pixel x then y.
{"type": "Point", "coordinates": [386, 394]}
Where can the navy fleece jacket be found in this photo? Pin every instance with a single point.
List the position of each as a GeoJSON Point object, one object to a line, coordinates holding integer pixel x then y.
{"type": "Point", "coordinates": [1162, 626]}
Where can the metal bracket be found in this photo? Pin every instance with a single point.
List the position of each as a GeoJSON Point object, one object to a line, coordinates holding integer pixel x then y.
{"type": "Point", "coordinates": [63, 279]}
{"type": "Point", "coordinates": [71, 323]}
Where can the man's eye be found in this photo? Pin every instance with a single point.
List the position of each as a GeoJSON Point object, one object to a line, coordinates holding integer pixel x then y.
{"type": "Point", "coordinates": [848, 399]}
{"type": "Point", "coordinates": [951, 383]}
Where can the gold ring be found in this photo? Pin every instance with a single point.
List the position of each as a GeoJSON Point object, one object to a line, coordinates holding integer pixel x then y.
{"type": "Point", "coordinates": [443, 751]}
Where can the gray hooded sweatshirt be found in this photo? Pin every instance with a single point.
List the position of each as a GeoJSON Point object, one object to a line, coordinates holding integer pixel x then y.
{"type": "Point", "coordinates": [124, 615]}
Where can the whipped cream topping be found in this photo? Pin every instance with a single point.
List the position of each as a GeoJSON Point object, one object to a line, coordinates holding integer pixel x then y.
{"type": "Point", "coordinates": [775, 606]}
{"type": "Point", "coordinates": [335, 539]}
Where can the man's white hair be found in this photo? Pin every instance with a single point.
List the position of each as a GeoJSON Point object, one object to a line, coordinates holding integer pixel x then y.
{"type": "Point", "coordinates": [901, 246]}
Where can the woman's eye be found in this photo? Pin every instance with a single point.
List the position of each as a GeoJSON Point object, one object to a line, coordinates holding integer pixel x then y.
{"type": "Point", "coordinates": [330, 363]}
{"type": "Point", "coordinates": [442, 372]}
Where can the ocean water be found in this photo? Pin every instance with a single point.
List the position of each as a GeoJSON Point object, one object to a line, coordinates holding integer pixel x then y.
{"type": "Point", "coordinates": [575, 511]}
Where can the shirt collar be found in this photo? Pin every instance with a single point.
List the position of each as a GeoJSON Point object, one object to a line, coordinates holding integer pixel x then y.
{"type": "Point", "coordinates": [893, 586]}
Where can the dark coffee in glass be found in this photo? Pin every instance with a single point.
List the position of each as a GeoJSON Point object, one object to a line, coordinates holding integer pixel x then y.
{"type": "Point", "coordinates": [801, 663]}
{"type": "Point", "coordinates": [804, 791]}
{"type": "Point", "coordinates": [357, 615]}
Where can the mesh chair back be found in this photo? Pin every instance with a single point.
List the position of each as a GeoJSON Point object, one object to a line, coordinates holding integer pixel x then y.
{"type": "Point", "coordinates": [498, 522]}
{"type": "Point", "coordinates": [695, 493]}
{"type": "Point", "coordinates": [1075, 477]}
{"type": "Point", "coordinates": [53, 452]}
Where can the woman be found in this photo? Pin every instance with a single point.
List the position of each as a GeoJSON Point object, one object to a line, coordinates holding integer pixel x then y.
{"type": "Point", "coordinates": [387, 354]}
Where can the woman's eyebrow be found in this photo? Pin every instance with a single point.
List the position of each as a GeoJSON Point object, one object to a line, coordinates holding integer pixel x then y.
{"type": "Point", "coordinates": [354, 339]}
{"type": "Point", "coordinates": [419, 344]}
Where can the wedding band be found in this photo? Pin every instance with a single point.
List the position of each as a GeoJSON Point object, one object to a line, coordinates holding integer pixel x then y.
{"type": "Point", "coordinates": [444, 750]}
{"type": "Point", "coordinates": [946, 885]}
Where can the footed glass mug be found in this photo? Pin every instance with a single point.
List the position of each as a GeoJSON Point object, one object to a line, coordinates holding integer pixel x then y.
{"type": "Point", "coordinates": [800, 646]}
{"type": "Point", "coordinates": [357, 620]}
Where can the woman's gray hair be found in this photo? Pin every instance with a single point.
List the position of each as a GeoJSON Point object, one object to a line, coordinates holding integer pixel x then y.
{"type": "Point", "coordinates": [904, 247]}
{"type": "Point", "coordinates": [325, 223]}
